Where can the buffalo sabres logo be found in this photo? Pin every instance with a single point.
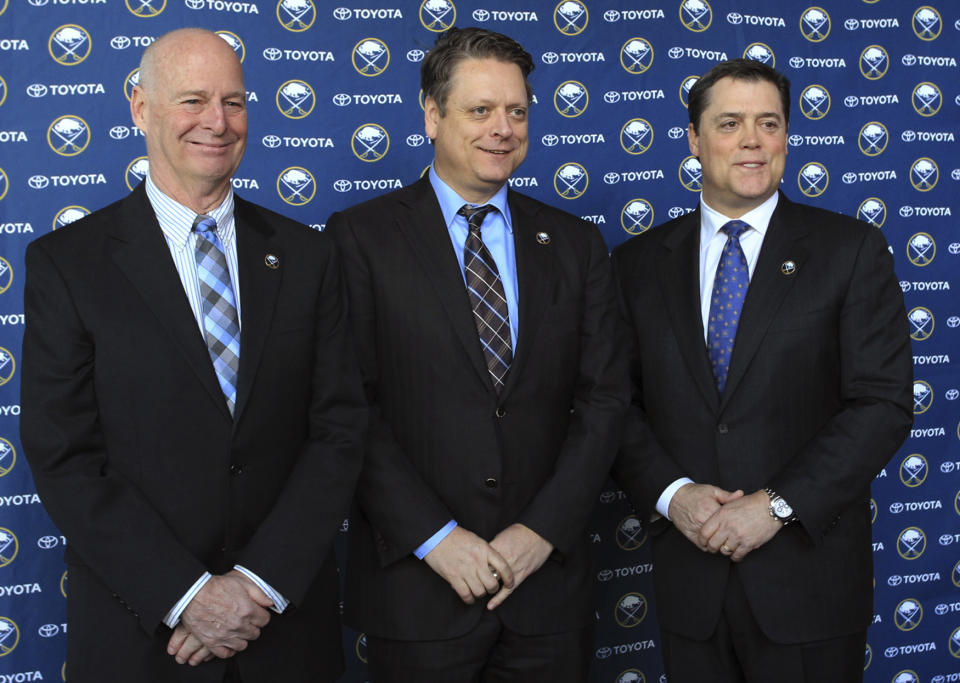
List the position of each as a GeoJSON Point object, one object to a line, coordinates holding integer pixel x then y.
{"type": "Point", "coordinates": [63, 584]}
{"type": "Point", "coordinates": [571, 180]}
{"type": "Point", "coordinates": [630, 533]}
{"type": "Point", "coordinates": [908, 614]}
{"type": "Point", "coordinates": [630, 610]}
{"type": "Point", "coordinates": [136, 171]}
{"type": "Point", "coordinates": [815, 24]}
{"type": "Point", "coordinates": [954, 643]}
{"type": "Point", "coordinates": [233, 40]}
{"type": "Point", "coordinates": [956, 503]}
{"type": "Point", "coordinates": [685, 87]}
{"type": "Point", "coordinates": [437, 15]}
{"type": "Point", "coordinates": [361, 647]}
{"type": "Point", "coordinates": [815, 102]}
{"type": "Point", "coordinates": [145, 9]}
{"type": "Point", "coordinates": [760, 52]}
{"type": "Point", "coordinates": [371, 57]}
{"type": "Point", "coordinates": [4, 183]}
{"type": "Point", "coordinates": [955, 574]}
{"type": "Point", "coordinates": [873, 511]}
{"type": "Point", "coordinates": [874, 62]}
{"type": "Point", "coordinates": [8, 546]}
{"type": "Point", "coordinates": [6, 278]}
{"type": "Point", "coordinates": [3, 6]}
{"type": "Point", "coordinates": [922, 397]}
{"type": "Point", "coordinates": [3, 91]}
{"type": "Point", "coordinates": [913, 470]}
{"type": "Point", "coordinates": [691, 174]}
{"type": "Point", "coordinates": [370, 142]}
{"type": "Point", "coordinates": [867, 657]}
{"type": "Point", "coordinates": [636, 55]}
{"type": "Point", "coordinates": [906, 676]}
{"type": "Point", "coordinates": [921, 249]}
{"type": "Point", "coordinates": [636, 136]}
{"type": "Point", "coordinates": [927, 99]}
{"type": "Point", "coordinates": [8, 457]}
{"type": "Point", "coordinates": [911, 543]}
{"type": "Point", "coordinates": [9, 636]}
{"type": "Point", "coordinates": [873, 211]}
{"type": "Point", "coordinates": [69, 44]}
{"type": "Point", "coordinates": [571, 99]}
{"type": "Point", "coordinates": [696, 15]}
{"type": "Point", "coordinates": [924, 174]}
{"type": "Point", "coordinates": [7, 366]}
{"type": "Point", "coordinates": [921, 323]}
{"type": "Point", "coordinates": [636, 216]}
{"type": "Point", "coordinates": [296, 186]}
{"type": "Point", "coordinates": [631, 676]}
{"type": "Point", "coordinates": [570, 17]}
{"type": "Point", "coordinates": [296, 15]}
{"type": "Point", "coordinates": [927, 23]}
{"type": "Point", "coordinates": [873, 138]}
{"type": "Point", "coordinates": [813, 179]}
{"type": "Point", "coordinates": [130, 82]}
{"type": "Point", "coordinates": [295, 99]}
{"type": "Point", "coordinates": [68, 135]}
{"type": "Point", "coordinates": [69, 214]}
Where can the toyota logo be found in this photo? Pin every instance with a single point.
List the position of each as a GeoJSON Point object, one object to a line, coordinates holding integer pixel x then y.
{"type": "Point", "coordinates": [909, 60]}
{"type": "Point", "coordinates": [271, 141]}
{"type": "Point", "coordinates": [550, 58]}
{"type": "Point", "coordinates": [895, 580]}
{"type": "Point", "coordinates": [954, 248]}
{"type": "Point", "coordinates": [37, 3]}
{"type": "Point", "coordinates": [38, 182]}
{"type": "Point", "coordinates": [193, 4]}
{"type": "Point", "coordinates": [851, 101]}
{"type": "Point", "coordinates": [120, 42]}
{"type": "Point", "coordinates": [904, 285]}
{"type": "Point", "coordinates": [851, 24]}
{"type": "Point", "coordinates": [849, 177]}
{"type": "Point", "coordinates": [342, 13]}
{"type": "Point", "coordinates": [480, 15]}
{"type": "Point", "coordinates": [272, 54]}
{"type": "Point", "coordinates": [611, 97]}
{"type": "Point", "coordinates": [415, 140]}
{"type": "Point", "coordinates": [342, 185]}
{"type": "Point", "coordinates": [796, 62]}
{"type": "Point", "coordinates": [908, 136]}
{"type": "Point", "coordinates": [341, 99]}
{"type": "Point", "coordinates": [675, 211]}
{"type": "Point", "coordinates": [415, 55]}
{"type": "Point", "coordinates": [795, 140]}
{"type": "Point", "coordinates": [48, 630]}
{"type": "Point", "coordinates": [735, 18]}
{"type": "Point", "coordinates": [675, 52]}
{"type": "Point", "coordinates": [611, 178]}
{"type": "Point", "coordinates": [549, 140]}
{"type": "Point", "coordinates": [676, 133]}
{"type": "Point", "coordinates": [119, 132]}
{"type": "Point", "coordinates": [946, 539]}
{"type": "Point", "coordinates": [36, 90]}
{"type": "Point", "coordinates": [47, 542]}
{"type": "Point", "coordinates": [611, 15]}
{"type": "Point", "coordinates": [906, 211]}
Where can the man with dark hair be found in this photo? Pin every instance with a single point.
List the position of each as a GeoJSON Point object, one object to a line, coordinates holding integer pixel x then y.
{"type": "Point", "coordinates": [486, 339]}
{"type": "Point", "coordinates": [771, 370]}
{"type": "Point", "coordinates": [192, 411]}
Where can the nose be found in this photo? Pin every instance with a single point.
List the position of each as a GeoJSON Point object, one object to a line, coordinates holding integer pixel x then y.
{"type": "Point", "coordinates": [750, 137]}
{"type": "Point", "coordinates": [215, 118]}
{"type": "Point", "coordinates": [500, 123]}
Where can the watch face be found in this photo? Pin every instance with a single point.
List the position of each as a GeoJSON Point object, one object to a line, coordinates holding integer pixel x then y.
{"type": "Point", "coordinates": [782, 509]}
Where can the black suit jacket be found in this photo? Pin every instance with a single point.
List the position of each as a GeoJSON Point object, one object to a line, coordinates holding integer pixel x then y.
{"type": "Point", "coordinates": [444, 445]}
{"type": "Point", "coordinates": [817, 399]}
{"type": "Point", "coordinates": [139, 463]}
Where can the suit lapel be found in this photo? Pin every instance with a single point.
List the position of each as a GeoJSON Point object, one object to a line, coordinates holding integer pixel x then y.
{"type": "Point", "coordinates": [141, 253]}
{"type": "Point", "coordinates": [535, 263]}
{"type": "Point", "coordinates": [259, 286]}
{"type": "Point", "coordinates": [421, 222]}
{"type": "Point", "coordinates": [678, 274]}
{"type": "Point", "coordinates": [768, 287]}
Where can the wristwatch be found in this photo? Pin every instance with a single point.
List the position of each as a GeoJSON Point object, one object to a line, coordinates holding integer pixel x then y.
{"type": "Point", "coordinates": [780, 509]}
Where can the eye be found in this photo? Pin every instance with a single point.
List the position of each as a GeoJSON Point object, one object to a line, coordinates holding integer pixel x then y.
{"type": "Point", "coordinates": [480, 111]}
{"type": "Point", "coordinates": [519, 113]}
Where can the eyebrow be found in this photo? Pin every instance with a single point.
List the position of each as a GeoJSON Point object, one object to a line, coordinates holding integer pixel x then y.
{"type": "Point", "coordinates": [740, 115]}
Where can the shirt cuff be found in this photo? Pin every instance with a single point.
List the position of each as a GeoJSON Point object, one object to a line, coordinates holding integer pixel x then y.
{"type": "Point", "coordinates": [173, 616]}
{"type": "Point", "coordinates": [663, 502]}
{"type": "Point", "coordinates": [434, 540]}
{"type": "Point", "coordinates": [279, 602]}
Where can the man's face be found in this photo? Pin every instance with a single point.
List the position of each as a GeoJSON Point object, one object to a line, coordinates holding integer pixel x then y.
{"type": "Point", "coordinates": [193, 114]}
{"type": "Point", "coordinates": [742, 145]}
{"type": "Point", "coordinates": [482, 139]}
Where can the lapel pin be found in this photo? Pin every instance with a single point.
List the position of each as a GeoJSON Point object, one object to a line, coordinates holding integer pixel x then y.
{"type": "Point", "coordinates": [543, 238]}
{"type": "Point", "coordinates": [788, 267]}
{"type": "Point", "coordinates": [272, 261]}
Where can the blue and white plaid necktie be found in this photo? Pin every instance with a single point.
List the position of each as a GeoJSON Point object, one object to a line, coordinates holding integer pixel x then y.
{"type": "Point", "coordinates": [729, 290]}
{"type": "Point", "coordinates": [220, 320]}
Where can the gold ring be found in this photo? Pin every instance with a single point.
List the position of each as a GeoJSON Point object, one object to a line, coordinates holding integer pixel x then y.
{"type": "Point", "coordinates": [725, 549]}
{"type": "Point", "coordinates": [496, 575]}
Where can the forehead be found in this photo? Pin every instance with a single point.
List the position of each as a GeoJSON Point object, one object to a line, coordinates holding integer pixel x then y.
{"type": "Point", "coordinates": [208, 64]}
{"type": "Point", "coordinates": [486, 76]}
{"type": "Point", "coordinates": [736, 94]}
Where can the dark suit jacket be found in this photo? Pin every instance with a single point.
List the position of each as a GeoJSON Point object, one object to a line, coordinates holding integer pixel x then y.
{"type": "Point", "coordinates": [818, 398]}
{"type": "Point", "coordinates": [444, 445]}
{"type": "Point", "coordinates": [139, 463]}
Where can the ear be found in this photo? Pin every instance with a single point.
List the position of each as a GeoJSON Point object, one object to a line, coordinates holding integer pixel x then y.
{"type": "Point", "coordinates": [431, 117]}
{"type": "Point", "coordinates": [138, 106]}
{"type": "Point", "coordinates": [693, 140]}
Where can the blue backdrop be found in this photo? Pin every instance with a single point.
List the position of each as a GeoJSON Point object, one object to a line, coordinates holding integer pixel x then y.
{"type": "Point", "coordinates": [333, 92]}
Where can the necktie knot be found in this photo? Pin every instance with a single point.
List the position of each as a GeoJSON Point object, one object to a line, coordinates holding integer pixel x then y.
{"type": "Point", "coordinates": [734, 229]}
{"type": "Point", "coordinates": [205, 224]}
{"type": "Point", "coordinates": [475, 215]}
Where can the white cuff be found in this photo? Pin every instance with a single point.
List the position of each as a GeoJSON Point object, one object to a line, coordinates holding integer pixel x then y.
{"type": "Point", "coordinates": [279, 602]}
{"type": "Point", "coordinates": [173, 616]}
{"type": "Point", "coordinates": [663, 502]}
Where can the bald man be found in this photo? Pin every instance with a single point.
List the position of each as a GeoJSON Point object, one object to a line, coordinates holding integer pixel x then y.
{"type": "Point", "coordinates": [191, 411]}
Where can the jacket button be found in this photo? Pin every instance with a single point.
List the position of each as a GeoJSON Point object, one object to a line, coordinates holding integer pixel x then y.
{"type": "Point", "coordinates": [500, 411]}
{"type": "Point", "coordinates": [236, 469]}
{"type": "Point", "coordinates": [722, 428]}
{"type": "Point", "coordinates": [490, 482]}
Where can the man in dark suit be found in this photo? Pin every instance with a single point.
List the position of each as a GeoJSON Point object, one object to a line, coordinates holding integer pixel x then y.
{"type": "Point", "coordinates": [199, 473]}
{"type": "Point", "coordinates": [496, 388]}
{"type": "Point", "coordinates": [800, 412]}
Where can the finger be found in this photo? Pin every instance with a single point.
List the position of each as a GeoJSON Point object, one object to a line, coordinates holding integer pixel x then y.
{"type": "Point", "coordinates": [491, 581]}
{"type": "Point", "coordinates": [497, 561]}
{"type": "Point", "coordinates": [498, 599]}
{"type": "Point", "coordinates": [199, 655]}
{"type": "Point", "coordinates": [176, 640]}
{"type": "Point", "coordinates": [463, 590]}
{"type": "Point", "coordinates": [189, 647]}
{"type": "Point", "coordinates": [260, 618]}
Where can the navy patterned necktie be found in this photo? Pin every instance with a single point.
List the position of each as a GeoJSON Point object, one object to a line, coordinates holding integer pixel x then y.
{"type": "Point", "coordinates": [221, 323]}
{"type": "Point", "coordinates": [729, 290]}
{"type": "Point", "coordinates": [486, 297]}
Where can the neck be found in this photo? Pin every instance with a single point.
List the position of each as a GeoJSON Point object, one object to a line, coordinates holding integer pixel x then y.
{"type": "Point", "coordinates": [202, 198]}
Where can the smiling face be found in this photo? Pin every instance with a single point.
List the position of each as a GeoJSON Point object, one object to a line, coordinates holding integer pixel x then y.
{"type": "Point", "coordinates": [192, 110]}
{"type": "Point", "coordinates": [482, 138]}
{"type": "Point", "coordinates": [741, 144]}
